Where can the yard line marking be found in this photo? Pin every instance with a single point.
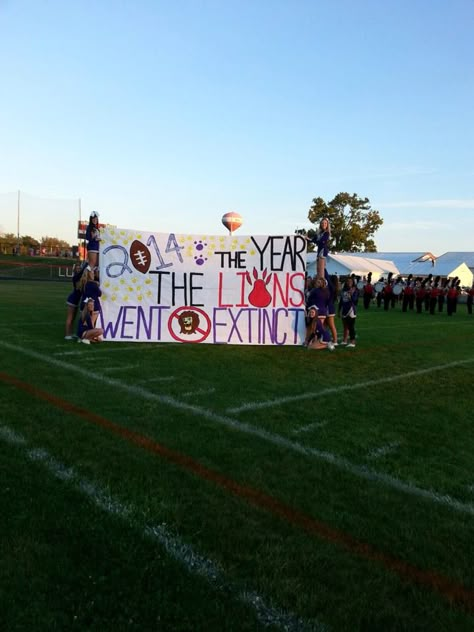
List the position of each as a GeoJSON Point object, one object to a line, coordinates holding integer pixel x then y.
{"type": "Point", "coordinates": [68, 353]}
{"type": "Point", "coordinates": [119, 368]}
{"type": "Point", "coordinates": [201, 391]}
{"type": "Point", "coordinates": [455, 593]}
{"type": "Point", "coordinates": [313, 426]}
{"type": "Point", "coordinates": [278, 440]}
{"type": "Point", "coordinates": [277, 401]}
{"type": "Point", "coordinates": [165, 378]}
{"type": "Point", "coordinates": [389, 448]}
{"type": "Point", "coordinates": [176, 548]}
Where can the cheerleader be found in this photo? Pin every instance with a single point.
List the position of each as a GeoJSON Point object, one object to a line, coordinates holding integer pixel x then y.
{"type": "Point", "coordinates": [91, 289]}
{"type": "Point", "coordinates": [73, 301]}
{"type": "Point", "coordinates": [93, 239]}
{"type": "Point", "coordinates": [348, 312]}
{"type": "Point", "coordinates": [321, 240]}
{"type": "Point", "coordinates": [87, 332]}
{"type": "Point", "coordinates": [333, 288]}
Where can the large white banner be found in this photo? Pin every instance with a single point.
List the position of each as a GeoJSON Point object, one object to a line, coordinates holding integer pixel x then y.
{"type": "Point", "coordinates": [159, 287]}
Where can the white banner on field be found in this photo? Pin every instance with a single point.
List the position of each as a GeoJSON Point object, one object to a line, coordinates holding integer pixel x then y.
{"type": "Point", "coordinates": [160, 287]}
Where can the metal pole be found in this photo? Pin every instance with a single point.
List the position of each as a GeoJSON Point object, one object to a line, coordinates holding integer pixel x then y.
{"type": "Point", "coordinates": [18, 225]}
{"type": "Point", "coordinates": [79, 223]}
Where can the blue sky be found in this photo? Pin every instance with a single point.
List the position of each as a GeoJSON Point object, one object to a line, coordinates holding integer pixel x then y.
{"type": "Point", "coordinates": [163, 116]}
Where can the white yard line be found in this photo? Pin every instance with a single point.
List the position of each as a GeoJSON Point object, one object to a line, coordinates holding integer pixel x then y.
{"type": "Point", "coordinates": [275, 439]}
{"type": "Point", "coordinates": [314, 426]}
{"type": "Point", "coordinates": [69, 353]}
{"type": "Point", "coordinates": [174, 546]}
{"type": "Point", "coordinates": [277, 401]}
{"type": "Point", "coordinates": [158, 378]}
{"type": "Point", "coordinates": [123, 367]}
{"type": "Point", "coordinates": [201, 391]}
{"type": "Point", "coordinates": [383, 450]}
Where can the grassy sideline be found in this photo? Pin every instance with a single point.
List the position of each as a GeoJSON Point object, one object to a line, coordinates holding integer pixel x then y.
{"type": "Point", "coordinates": [199, 487]}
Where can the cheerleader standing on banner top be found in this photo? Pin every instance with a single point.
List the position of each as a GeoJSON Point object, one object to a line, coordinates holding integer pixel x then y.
{"type": "Point", "coordinates": [91, 289]}
{"type": "Point", "coordinates": [73, 300]}
{"type": "Point", "coordinates": [86, 330]}
{"type": "Point", "coordinates": [93, 239]}
{"type": "Point", "coordinates": [321, 240]}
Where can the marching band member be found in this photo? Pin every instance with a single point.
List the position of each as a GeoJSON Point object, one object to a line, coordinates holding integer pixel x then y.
{"type": "Point", "coordinates": [470, 299]}
{"type": "Point", "coordinates": [435, 290]}
{"type": "Point", "coordinates": [428, 292]}
{"type": "Point", "coordinates": [419, 295]}
{"type": "Point", "coordinates": [452, 296]}
{"type": "Point", "coordinates": [442, 295]}
{"type": "Point", "coordinates": [408, 294]}
{"type": "Point", "coordinates": [368, 291]}
{"type": "Point", "coordinates": [387, 292]}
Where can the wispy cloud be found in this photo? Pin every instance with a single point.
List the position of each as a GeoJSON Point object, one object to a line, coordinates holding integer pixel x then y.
{"type": "Point", "coordinates": [415, 226]}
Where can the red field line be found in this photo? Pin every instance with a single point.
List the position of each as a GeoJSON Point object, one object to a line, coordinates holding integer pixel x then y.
{"type": "Point", "coordinates": [453, 592]}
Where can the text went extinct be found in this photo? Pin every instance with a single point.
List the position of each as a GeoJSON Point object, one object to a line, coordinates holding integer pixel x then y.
{"type": "Point", "coordinates": [266, 315]}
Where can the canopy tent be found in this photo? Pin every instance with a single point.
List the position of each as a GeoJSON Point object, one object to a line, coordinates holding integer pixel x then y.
{"type": "Point", "coordinates": [347, 264]}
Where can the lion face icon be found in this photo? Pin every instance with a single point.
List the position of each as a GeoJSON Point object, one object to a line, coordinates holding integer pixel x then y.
{"type": "Point", "coordinates": [188, 322]}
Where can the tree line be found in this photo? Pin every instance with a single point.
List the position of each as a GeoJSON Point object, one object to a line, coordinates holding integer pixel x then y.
{"type": "Point", "coordinates": [10, 244]}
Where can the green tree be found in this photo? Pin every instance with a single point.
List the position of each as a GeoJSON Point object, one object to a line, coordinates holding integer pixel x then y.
{"type": "Point", "coordinates": [353, 222]}
{"type": "Point", "coordinates": [8, 243]}
{"type": "Point", "coordinates": [52, 245]}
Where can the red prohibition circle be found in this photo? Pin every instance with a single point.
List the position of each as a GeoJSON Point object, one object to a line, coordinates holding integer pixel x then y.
{"type": "Point", "coordinates": [204, 332]}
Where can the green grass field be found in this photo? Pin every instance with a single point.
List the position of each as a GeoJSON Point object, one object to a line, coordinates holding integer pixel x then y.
{"type": "Point", "coordinates": [221, 488]}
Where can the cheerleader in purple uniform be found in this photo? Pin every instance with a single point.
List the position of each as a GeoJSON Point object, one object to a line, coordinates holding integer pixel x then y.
{"type": "Point", "coordinates": [73, 301]}
{"type": "Point", "coordinates": [333, 289]}
{"type": "Point", "coordinates": [348, 311]}
{"type": "Point", "coordinates": [319, 298]}
{"type": "Point", "coordinates": [87, 332]}
{"type": "Point", "coordinates": [93, 239]}
{"type": "Point", "coordinates": [321, 240]}
{"type": "Point", "coordinates": [91, 289]}
{"type": "Point", "coordinates": [317, 337]}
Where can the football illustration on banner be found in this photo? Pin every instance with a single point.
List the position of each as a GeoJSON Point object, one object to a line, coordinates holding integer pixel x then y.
{"type": "Point", "coordinates": [232, 221]}
{"type": "Point", "coordinates": [140, 256]}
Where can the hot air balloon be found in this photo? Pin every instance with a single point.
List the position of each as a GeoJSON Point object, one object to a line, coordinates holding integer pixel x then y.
{"type": "Point", "coordinates": [232, 221]}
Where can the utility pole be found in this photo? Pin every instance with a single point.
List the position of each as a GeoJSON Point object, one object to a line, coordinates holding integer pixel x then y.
{"type": "Point", "coordinates": [18, 225]}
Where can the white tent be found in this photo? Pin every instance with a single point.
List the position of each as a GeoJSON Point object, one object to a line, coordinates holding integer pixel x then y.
{"type": "Point", "coordinates": [345, 265]}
